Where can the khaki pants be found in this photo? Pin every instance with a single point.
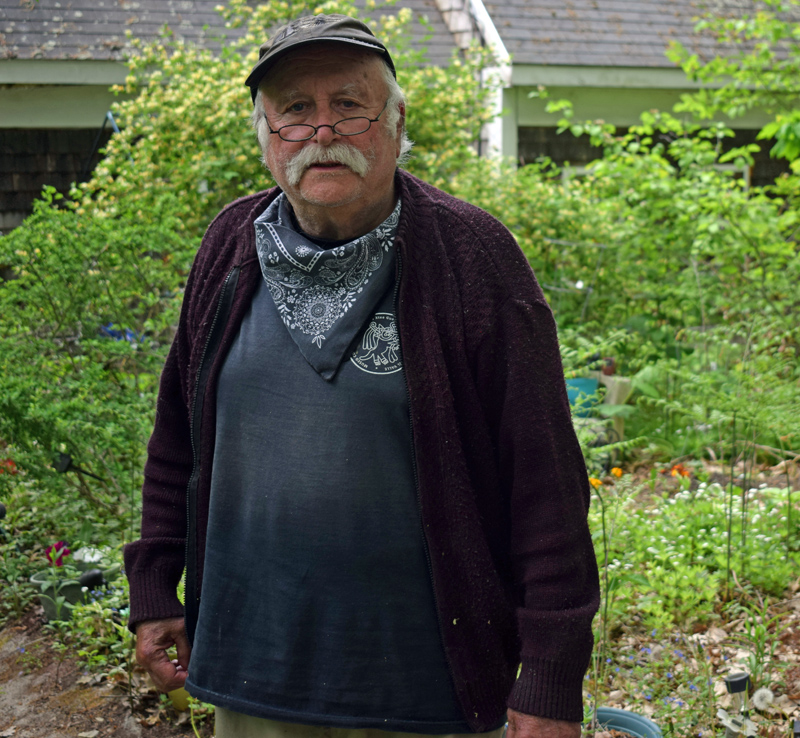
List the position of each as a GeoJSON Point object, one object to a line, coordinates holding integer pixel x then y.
{"type": "Point", "coordinates": [236, 725]}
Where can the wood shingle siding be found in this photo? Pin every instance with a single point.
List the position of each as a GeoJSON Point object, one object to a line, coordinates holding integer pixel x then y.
{"type": "Point", "coordinates": [628, 33]}
{"type": "Point", "coordinates": [95, 29]}
{"type": "Point", "coordinates": [31, 159]}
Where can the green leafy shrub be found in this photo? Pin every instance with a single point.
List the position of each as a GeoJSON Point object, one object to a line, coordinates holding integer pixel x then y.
{"type": "Point", "coordinates": [86, 323]}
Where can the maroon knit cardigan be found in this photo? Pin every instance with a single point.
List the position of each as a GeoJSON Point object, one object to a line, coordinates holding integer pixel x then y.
{"type": "Point", "coordinates": [502, 483]}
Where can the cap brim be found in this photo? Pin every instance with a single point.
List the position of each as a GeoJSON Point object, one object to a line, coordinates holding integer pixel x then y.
{"type": "Point", "coordinates": [260, 70]}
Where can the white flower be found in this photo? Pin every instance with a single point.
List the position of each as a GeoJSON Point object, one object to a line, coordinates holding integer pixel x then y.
{"type": "Point", "coordinates": [762, 698]}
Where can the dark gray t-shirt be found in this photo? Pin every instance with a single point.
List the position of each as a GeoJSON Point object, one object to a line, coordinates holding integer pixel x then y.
{"type": "Point", "coordinates": [317, 600]}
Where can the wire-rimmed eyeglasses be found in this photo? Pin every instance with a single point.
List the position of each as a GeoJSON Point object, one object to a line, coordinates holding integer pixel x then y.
{"type": "Point", "coordinates": [295, 132]}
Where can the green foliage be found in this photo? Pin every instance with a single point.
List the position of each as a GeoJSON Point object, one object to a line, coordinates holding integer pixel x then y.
{"type": "Point", "coordinates": [66, 384]}
{"type": "Point", "coordinates": [757, 70]}
{"type": "Point", "coordinates": [99, 635]}
{"type": "Point", "coordinates": [16, 592]}
{"type": "Point", "coordinates": [662, 558]}
{"type": "Point", "coordinates": [760, 637]}
{"type": "Point", "coordinates": [667, 558]}
{"type": "Point", "coordinates": [665, 261]}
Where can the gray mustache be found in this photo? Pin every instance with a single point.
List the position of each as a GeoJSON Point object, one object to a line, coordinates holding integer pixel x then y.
{"type": "Point", "coordinates": [314, 153]}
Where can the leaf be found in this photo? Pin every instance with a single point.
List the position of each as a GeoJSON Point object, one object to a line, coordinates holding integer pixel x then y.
{"type": "Point", "coordinates": [646, 388]}
{"type": "Point", "coordinates": [615, 411]}
{"type": "Point", "coordinates": [89, 734]}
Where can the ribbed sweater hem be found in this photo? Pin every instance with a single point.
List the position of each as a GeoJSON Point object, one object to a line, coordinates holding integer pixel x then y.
{"type": "Point", "coordinates": [549, 689]}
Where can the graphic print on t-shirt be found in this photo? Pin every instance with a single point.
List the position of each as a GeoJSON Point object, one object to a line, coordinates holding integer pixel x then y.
{"type": "Point", "coordinates": [378, 352]}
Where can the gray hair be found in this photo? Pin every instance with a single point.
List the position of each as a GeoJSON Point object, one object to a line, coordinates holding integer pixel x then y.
{"type": "Point", "coordinates": [396, 99]}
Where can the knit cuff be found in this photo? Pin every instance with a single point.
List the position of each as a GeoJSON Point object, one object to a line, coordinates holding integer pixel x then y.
{"type": "Point", "coordinates": [549, 689]}
{"type": "Point", "coordinates": [153, 567]}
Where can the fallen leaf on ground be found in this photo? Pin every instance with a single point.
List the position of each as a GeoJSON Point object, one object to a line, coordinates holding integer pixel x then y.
{"type": "Point", "coordinates": [716, 635]}
{"type": "Point", "coordinates": [89, 734]}
{"type": "Point", "coordinates": [785, 705]}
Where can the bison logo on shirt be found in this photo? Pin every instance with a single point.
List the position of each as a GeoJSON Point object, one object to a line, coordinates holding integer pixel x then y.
{"type": "Point", "coordinates": [379, 349]}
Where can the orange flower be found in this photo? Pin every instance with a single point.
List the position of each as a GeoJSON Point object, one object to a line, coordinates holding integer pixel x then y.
{"type": "Point", "coordinates": [679, 470]}
{"type": "Point", "coordinates": [595, 482]}
{"type": "Point", "coordinates": [616, 471]}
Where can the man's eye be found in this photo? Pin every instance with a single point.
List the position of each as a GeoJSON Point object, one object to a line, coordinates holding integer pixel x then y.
{"type": "Point", "coordinates": [296, 108]}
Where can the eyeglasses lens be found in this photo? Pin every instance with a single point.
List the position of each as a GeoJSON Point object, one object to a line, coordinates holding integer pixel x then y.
{"type": "Point", "coordinates": [346, 127]}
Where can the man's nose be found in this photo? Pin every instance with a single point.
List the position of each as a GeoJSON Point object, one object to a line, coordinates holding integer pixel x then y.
{"type": "Point", "coordinates": [325, 133]}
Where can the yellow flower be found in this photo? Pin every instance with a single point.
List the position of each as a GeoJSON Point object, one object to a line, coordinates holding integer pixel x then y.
{"type": "Point", "coordinates": [616, 471]}
{"type": "Point", "coordinates": [595, 482]}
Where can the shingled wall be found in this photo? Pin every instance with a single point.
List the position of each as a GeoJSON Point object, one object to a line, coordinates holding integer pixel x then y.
{"type": "Point", "coordinates": [33, 158]}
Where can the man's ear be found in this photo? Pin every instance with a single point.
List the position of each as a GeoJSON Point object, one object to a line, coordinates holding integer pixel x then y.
{"type": "Point", "coordinates": [401, 124]}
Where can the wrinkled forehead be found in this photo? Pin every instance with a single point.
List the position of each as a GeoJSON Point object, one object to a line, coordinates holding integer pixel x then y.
{"type": "Point", "coordinates": [338, 64]}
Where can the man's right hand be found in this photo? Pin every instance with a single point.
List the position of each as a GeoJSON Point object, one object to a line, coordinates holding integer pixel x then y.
{"type": "Point", "coordinates": [153, 639]}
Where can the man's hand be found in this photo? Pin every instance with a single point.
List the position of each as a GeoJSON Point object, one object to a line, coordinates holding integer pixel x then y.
{"type": "Point", "coordinates": [521, 725]}
{"type": "Point", "coordinates": [153, 639]}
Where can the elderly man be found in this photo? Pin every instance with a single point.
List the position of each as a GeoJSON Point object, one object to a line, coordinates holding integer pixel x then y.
{"type": "Point", "coordinates": [363, 452]}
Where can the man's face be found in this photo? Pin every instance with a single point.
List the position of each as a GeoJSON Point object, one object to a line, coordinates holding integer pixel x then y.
{"type": "Point", "coordinates": [323, 84]}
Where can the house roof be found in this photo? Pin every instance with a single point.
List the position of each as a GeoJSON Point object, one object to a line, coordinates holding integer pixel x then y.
{"type": "Point", "coordinates": [609, 33]}
{"type": "Point", "coordinates": [95, 29]}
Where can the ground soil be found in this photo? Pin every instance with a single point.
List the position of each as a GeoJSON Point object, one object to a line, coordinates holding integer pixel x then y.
{"type": "Point", "coordinates": [43, 697]}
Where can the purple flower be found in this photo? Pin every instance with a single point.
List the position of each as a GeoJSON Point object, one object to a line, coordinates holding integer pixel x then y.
{"type": "Point", "coordinates": [56, 553]}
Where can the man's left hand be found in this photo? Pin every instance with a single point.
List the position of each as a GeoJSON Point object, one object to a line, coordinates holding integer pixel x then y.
{"type": "Point", "coordinates": [521, 725]}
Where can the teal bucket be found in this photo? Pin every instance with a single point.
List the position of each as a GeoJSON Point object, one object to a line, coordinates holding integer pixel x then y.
{"type": "Point", "coordinates": [582, 394]}
{"type": "Point", "coordinates": [628, 722]}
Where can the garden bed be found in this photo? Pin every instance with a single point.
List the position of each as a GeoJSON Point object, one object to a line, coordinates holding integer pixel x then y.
{"type": "Point", "coordinates": [44, 696]}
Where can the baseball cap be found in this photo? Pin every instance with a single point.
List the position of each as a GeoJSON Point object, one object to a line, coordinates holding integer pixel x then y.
{"type": "Point", "coordinates": [312, 29]}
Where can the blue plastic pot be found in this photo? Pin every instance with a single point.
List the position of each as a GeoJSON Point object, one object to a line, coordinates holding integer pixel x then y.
{"type": "Point", "coordinates": [582, 393]}
{"type": "Point", "coordinates": [612, 718]}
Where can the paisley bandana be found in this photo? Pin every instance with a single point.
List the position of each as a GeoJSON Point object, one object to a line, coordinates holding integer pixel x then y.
{"type": "Point", "coordinates": [324, 296]}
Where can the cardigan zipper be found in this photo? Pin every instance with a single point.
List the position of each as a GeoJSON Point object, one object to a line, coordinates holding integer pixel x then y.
{"type": "Point", "coordinates": [414, 465]}
{"type": "Point", "coordinates": [191, 600]}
